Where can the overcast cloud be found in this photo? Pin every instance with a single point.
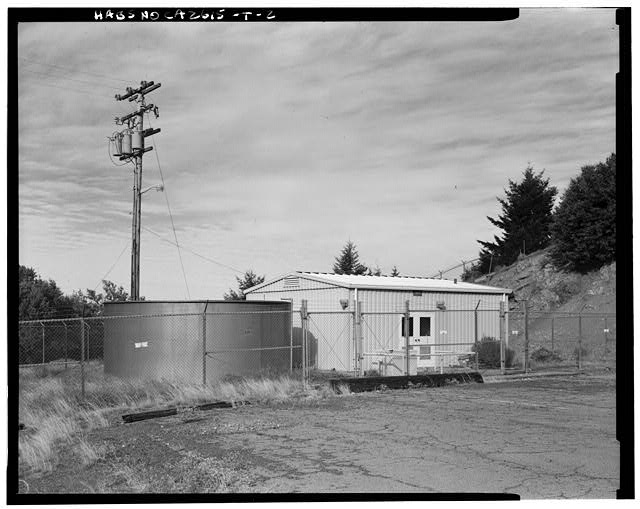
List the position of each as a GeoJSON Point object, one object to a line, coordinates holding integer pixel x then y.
{"type": "Point", "coordinates": [282, 141]}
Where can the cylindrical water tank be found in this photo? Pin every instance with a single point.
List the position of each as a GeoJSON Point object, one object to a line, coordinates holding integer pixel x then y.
{"type": "Point", "coordinates": [137, 140]}
{"type": "Point", "coordinates": [164, 340]}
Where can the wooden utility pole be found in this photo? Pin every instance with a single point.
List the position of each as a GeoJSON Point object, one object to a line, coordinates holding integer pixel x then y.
{"type": "Point", "coordinates": [130, 145]}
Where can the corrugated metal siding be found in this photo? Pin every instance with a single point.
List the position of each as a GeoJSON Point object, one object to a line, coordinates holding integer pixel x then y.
{"type": "Point", "coordinates": [285, 284]}
{"type": "Point", "coordinates": [318, 298]}
{"type": "Point", "coordinates": [453, 325]}
{"type": "Point", "coordinates": [332, 336]}
{"type": "Point", "coordinates": [380, 300]}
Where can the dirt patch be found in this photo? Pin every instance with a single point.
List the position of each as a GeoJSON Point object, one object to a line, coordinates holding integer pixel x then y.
{"type": "Point", "coordinates": [545, 438]}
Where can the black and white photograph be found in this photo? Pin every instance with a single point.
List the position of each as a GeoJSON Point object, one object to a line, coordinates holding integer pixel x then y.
{"type": "Point", "coordinates": [278, 254]}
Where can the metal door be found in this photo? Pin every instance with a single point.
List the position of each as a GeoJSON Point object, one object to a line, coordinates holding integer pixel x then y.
{"type": "Point", "coordinates": [421, 338]}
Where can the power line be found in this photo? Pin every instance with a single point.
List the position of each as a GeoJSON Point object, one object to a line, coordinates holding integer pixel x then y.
{"type": "Point", "coordinates": [166, 197]}
{"type": "Point", "coordinates": [68, 89]}
{"type": "Point", "coordinates": [193, 252]}
{"type": "Point", "coordinates": [66, 78]}
{"type": "Point", "coordinates": [75, 70]}
{"type": "Point", "coordinates": [113, 266]}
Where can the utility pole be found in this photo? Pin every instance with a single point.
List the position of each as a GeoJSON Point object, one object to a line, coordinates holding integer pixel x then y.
{"type": "Point", "coordinates": [130, 146]}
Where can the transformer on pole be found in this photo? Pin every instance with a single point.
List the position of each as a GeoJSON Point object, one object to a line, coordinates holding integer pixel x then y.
{"type": "Point", "coordinates": [129, 145]}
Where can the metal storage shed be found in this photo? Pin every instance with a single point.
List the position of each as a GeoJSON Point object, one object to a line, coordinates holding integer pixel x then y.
{"type": "Point", "coordinates": [448, 316]}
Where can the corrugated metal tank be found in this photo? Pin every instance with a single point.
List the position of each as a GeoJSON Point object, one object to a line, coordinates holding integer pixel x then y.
{"type": "Point", "coordinates": [166, 340]}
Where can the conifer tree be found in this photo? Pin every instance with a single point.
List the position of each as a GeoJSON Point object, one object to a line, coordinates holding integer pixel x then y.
{"type": "Point", "coordinates": [584, 229]}
{"type": "Point", "coordinates": [248, 280]}
{"type": "Point", "coordinates": [525, 221]}
{"type": "Point", "coordinates": [348, 262]}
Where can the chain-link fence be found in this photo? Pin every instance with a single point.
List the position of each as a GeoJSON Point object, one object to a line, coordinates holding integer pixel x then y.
{"type": "Point", "coordinates": [203, 348]}
{"type": "Point", "coordinates": [541, 340]}
{"type": "Point", "coordinates": [438, 340]}
{"type": "Point", "coordinates": [195, 348]}
{"type": "Point", "coordinates": [329, 346]}
{"type": "Point", "coordinates": [355, 343]}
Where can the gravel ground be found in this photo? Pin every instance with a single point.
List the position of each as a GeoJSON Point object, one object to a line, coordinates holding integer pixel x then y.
{"type": "Point", "coordinates": [539, 438]}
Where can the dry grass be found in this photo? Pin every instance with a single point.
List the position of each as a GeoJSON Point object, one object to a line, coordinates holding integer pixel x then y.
{"type": "Point", "coordinates": [55, 414]}
{"type": "Point", "coordinates": [344, 390]}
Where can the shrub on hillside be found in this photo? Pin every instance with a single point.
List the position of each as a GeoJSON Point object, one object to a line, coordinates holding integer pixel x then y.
{"type": "Point", "coordinates": [488, 349]}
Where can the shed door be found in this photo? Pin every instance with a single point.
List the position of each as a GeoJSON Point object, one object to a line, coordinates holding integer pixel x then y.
{"type": "Point", "coordinates": [420, 338]}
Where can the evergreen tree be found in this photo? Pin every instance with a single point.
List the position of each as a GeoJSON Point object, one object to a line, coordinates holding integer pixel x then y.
{"type": "Point", "coordinates": [249, 279]}
{"type": "Point", "coordinates": [525, 221]}
{"type": "Point", "coordinates": [395, 272]}
{"type": "Point", "coordinates": [374, 271]}
{"type": "Point", "coordinates": [38, 298]}
{"type": "Point", "coordinates": [348, 262]}
{"type": "Point", "coordinates": [584, 229]}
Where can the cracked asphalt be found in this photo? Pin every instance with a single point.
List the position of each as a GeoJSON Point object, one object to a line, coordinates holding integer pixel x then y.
{"type": "Point", "coordinates": [545, 438]}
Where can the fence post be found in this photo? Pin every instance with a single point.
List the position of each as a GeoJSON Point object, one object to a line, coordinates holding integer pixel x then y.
{"type": "Point", "coordinates": [579, 341]}
{"type": "Point", "coordinates": [43, 361]}
{"type": "Point", "coordinates": [475, 333]}
{"type": "Point", "coordinates": [66, 337]}
{"type": "Point", "coordinates": [291, 339]}
{"type": "Point", "coordinates": [553, 348]}
{"type": "Point", "coordinates": [82, 354]}
{"type": "Point", "coordinates": [406, 337]}
{"type": "Point", "coordinates": [358, 335]}
{"type": "Point", "coordinates": [506, 324]}
{"type": "Point", "coordinates": [356, 372]}
{"type": "Point", "coordinates": [526, 336]}
{"type": "Point", "coordinates": [303, 316]}
{"type": "Point", "coordinates": [204, 344]}
{"type": "Point", "coordinates": [501, 333]}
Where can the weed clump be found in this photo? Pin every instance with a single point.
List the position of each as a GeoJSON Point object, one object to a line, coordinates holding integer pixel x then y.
{"type": "Point", "coordinates": [488, 349]}
{"type": "Point", "coordinates": [543, 356]}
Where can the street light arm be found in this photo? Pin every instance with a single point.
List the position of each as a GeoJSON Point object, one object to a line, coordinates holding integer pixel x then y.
{"type": "Point", "coordinates": [159, 187]}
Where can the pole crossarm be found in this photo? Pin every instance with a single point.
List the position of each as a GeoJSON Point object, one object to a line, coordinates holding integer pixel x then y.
{"type": "Point", "coordinates": [134, 135]}
{"type": "Point", "coordinates": [145, 88]}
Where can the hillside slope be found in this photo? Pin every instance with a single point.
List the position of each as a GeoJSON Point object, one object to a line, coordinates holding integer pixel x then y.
{"type": "Point", "coordinates": [534, 278]}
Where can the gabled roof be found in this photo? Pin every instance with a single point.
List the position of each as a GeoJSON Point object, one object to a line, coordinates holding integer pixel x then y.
{"type": "Point", "coordinates": [387, 283]}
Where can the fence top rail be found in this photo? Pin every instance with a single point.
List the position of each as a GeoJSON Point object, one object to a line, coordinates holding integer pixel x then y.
{"type": "Point", "coordinates": [403, 311]}
{"type": "Point", "coordinates": [158, 315]}
{"type": "Point", "coordinates": [327, 312]}
{"type": "Point", "coordinates": [392, 350]}
{"type": "Point", "coordinates": [532, 314]}
{"type": "Point", "coordinates": [564, 314]}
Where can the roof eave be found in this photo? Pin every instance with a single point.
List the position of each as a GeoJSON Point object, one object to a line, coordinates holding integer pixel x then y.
{"type": "Point", "coordinates": [303, 275]}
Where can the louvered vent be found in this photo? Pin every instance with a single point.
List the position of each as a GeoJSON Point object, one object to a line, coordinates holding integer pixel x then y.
{"type": "Point", "coordinates": [291, 282]}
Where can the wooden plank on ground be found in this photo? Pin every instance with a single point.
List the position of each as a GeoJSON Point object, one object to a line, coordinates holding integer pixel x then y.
{"type": "Point", "coordinates": [151, 414]}
{"type": "Point", "coordinates": [215, 404]}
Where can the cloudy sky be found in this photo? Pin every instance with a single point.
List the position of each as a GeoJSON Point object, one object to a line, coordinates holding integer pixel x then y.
{"type": "Point", "coordinates": [281, 141]}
